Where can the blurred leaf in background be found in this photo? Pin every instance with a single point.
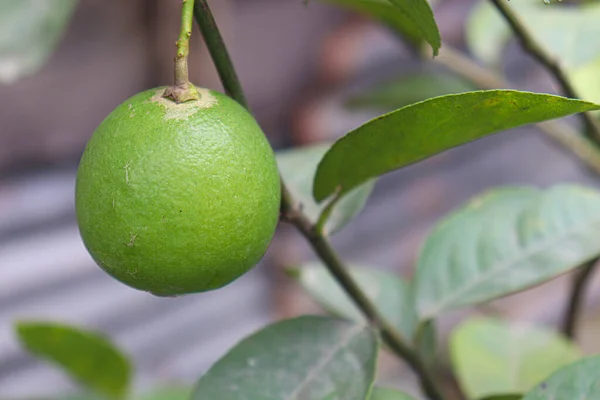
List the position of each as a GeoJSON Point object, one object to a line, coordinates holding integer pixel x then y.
{"type": "Point", "coordinates": [298, 166]}
{"type": "Point", "coordinates": [570, 33]}
{"type": "Point", "coordinates": [29, 32]}
{"type": "Point", "coordinates": [388, 394]}
{"type": "Point", "coordinates": [408, 89]}
{"type": "Point", "coordinates": [169, 393]}
{"type": "Point", "coordinates": [389, 292]}
{"type": "Point", "coordinates": [87, 357]}
{"type": "Point", "coordinates": [413, 20]}
{"type": "Point", "coordinates": [491, 356]}
{"type": "Point", "coordinates": [586, 80]}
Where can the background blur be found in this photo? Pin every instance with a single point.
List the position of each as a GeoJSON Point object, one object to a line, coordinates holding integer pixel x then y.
{"type": "Point", "coordinates": [298, 64]}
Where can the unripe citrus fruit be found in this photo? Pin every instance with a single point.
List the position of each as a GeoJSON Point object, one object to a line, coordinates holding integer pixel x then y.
{"type": "Point", "coordinates": [177, 198]}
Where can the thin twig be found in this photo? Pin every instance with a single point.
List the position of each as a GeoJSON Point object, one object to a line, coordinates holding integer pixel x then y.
{"type": "Point", "coordinates": [537, 51]}
{"type": "Point", "coordinates": [578, 289]}
{"type": "Point", "coordinates": [294, 215]}
{"type": "Point", "coordinates": [567, 137]}
{"type": "Point", "coordinates": [218, 52]}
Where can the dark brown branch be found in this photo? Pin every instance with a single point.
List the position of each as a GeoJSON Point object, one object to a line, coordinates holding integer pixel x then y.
{"type": "Point", "coordinates": [577, 297]}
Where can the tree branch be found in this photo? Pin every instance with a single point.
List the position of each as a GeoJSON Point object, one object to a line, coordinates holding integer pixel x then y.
{"type": "Point", "coordinates": [218, 52]}
{"type": "Point", "coordinates": [578, 288]}
{"type": "Point", "coordinates": [537, 51]}
{"type": "Point", "coordinates": [339, 270]}
{"type": "Point", "coordinates": [294, 215]}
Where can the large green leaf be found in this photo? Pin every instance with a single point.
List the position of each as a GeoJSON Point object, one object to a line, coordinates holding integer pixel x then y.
{"type": "Point", "coordinates": [308, 357]}
{"type": "Point", "coordinates": [578, 381]}
{"type": "Point", "coordinates": [571, 34]}
{"type": "Point", "coordinates": [87, 357]}
{"type": "Point", "coordinates": [504, 241]}
{"type": "Point", "coordinates": [390, 293]}
{"type": "Point", "coordinates": [388, 394]}
{"type": "Point", "coordinates": [412, 19]}
{"type": "Point", "coordinates": [492, 356]}
{"type": "Point", "coordinates": [421, 130]}
{"type": "Point", "coordinates": [409, 89]}
{"type": "Point", "coordinates": [298, 167]}
{"type": "Point", "coordinates": [29, 31]}
{"type": "Point", "coordinates": [505, 397]}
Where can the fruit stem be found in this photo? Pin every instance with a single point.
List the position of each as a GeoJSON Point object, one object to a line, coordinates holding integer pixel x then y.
{"type": "Point", "coordinates": [183, 90]}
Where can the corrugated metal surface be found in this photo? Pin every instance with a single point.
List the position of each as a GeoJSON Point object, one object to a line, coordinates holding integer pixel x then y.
{"type": "Point", "coordinates": [46, 273]}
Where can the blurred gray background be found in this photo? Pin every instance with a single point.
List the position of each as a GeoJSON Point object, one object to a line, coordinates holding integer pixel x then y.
{"type": "Point", "coordinates": [297, 64]}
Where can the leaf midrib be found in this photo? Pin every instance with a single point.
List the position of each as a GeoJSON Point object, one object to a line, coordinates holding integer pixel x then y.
{"type": "Point", "coordinates": [323, 362]}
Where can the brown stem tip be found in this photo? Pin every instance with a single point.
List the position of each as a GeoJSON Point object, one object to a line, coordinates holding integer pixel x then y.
{"type": "Point", "coordinates": [182, 93]}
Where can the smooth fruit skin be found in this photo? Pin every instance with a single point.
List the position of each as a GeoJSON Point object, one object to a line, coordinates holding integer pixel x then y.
{"type": "Point", "coordinates": [177, 198]}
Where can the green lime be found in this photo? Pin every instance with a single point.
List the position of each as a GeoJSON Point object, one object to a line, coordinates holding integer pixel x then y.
{"type": "Point", "coordinates": [177, 198]}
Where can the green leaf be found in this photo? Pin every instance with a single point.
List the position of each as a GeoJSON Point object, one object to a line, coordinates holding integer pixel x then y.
{"type": "Point", "coordinates": [80, 396]}
{"type": "Point", "coordinates": [503, 241]}
{"type": "Point", "coordinates": [388, 394]}
{"type": "Point", "coordinates": [29, 31]}
{"type": "Point", "coordinates": [390, 293]}
{"type": "Point", "coordinates": [409, 89]}
{"type": "Point", "coordinates": [298, 167]}
{"type": "Point", "coordinates": [492, 356]}
{"type": "Point", "coordinates": [556, 27]}
{"type": "Point", "coordinates": [505, 397]}
{"type": "Point", "coordinates": [578, 381]}
{"type": "Point", "coordinates": [421, 130]}
{"type": "Point", "coordinates": [87, 357]}
{"type": "Point", "coordinates": [308, 357]}
{"type": "Point", "coordinates": [169, 393]}
{"type": "Point", "coordinates": [412, 19]}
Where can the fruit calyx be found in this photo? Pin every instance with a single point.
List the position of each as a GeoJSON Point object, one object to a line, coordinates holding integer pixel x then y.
{"type": "Point", "coordinates": [181, 93]}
